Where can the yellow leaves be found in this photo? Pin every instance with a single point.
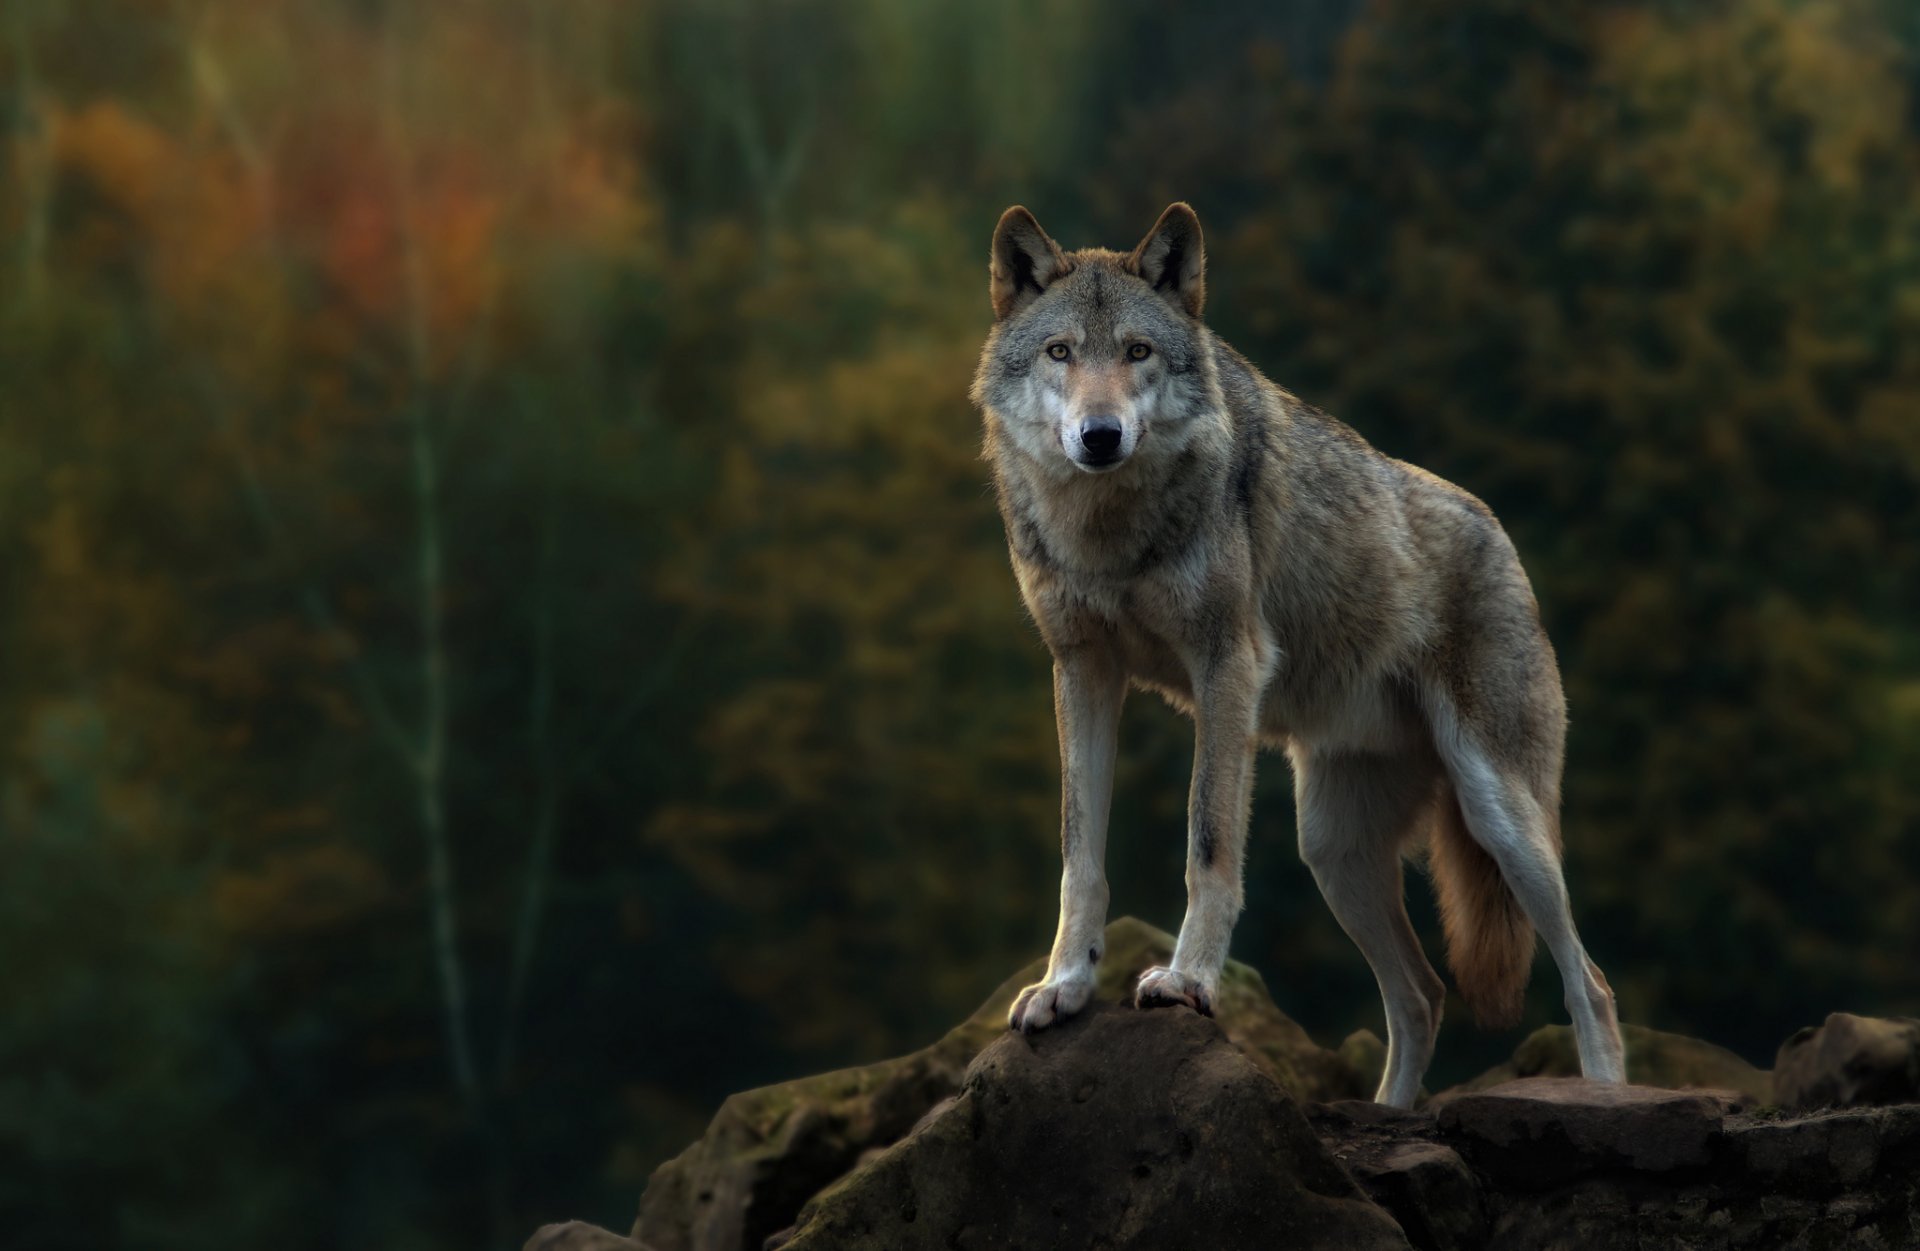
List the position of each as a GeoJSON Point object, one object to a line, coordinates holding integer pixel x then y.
{"type": "Point", "coordinates": [591, 191]}
{"type": "Point", "coordinates": [93, 762]}
{"type": "Point", "coordinates": [1747, 106]}
{"type": "Point", "coordinates": [185, 213]}
{"type": "Point", "coordinates": [61, 543]}
{"type": "Point", "coordinates": [85, 604]}
{"type": "Point", "coordinates": [1903, 701]}
{"type": "Point", "coordinates": [717, 845]}
{"type": "Point", "coordinates": [126, 158]}
{"type": "Point", "coordinates": [412, 185]}
{"type": "Point", "coordinates": [1890, 419]}
{"type": "Point", "coordinates": [849, 484]}
{"type": "Point", "coordinates": [299, 891]}
{"type": "Point", "coordinates": [1835, 68]}
{"type": "Point", "coordinates": [777, 732]}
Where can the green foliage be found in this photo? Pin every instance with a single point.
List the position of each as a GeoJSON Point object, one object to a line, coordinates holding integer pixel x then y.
{"type": "Point", "coordinates": [507, 638]}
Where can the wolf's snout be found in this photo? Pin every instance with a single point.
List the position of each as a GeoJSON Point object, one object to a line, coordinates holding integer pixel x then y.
{"type": "Point", "coordinates": [1100, 439]}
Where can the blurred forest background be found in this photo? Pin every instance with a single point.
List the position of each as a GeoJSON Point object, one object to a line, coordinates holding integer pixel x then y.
{"type": "Point", "coordinates": [504, 637]}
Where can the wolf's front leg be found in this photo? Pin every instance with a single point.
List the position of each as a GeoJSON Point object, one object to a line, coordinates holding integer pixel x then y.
{"type": "Point", "coordinates": [1089, 687]}
{"type": "Point", "coordinates": [1225, 713]}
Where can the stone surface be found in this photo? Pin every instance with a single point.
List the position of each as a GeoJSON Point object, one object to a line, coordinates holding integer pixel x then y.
{"type": "Point", "coordinates": [1163, 1129]}
{"type": "Point", "coordinates": [768, 1150]}
{"type": "Point", "coordinates": [1654, 1058]}
{"type": "Point", "coordinates": [1422, 1183]}
{"type": "Point", "coordinates": [1566, 1163]}
{"type": "Point", "coordinates": [1830, 1151]}
{"type": "Point", "coordinates": [1540, 1131]}
{"type": "Point", "coordinates": [1850, 1061]}
{"type": "Point", "coordinates": [1121, 1128]}
{"type": "Point", "coordinates": [580, 1236]}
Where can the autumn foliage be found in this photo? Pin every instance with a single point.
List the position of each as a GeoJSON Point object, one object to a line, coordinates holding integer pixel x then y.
{"type": "Point", "coordinates": [506, 639]}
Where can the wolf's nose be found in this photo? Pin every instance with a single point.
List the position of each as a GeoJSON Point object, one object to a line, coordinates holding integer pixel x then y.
{"type": "Point", "coordinates": [1100, 436]}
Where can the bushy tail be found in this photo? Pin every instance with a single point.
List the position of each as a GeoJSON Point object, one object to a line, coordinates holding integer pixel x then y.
{"type": "Point", "coordinates": [1489, 940]}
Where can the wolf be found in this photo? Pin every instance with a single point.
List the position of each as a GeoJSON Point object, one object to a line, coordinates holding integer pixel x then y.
{"type": "Point", "coordinates": [1179, 523]}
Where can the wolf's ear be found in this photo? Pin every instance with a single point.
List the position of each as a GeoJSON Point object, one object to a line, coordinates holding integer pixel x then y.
{"type": "Point", "coordinates": [1024, 262]}
{"type": "Point", "coordinates": [1173, 259]}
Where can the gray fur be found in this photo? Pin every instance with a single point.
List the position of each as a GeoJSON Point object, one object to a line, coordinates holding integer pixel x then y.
{"type": "Point", "coordinates": [1269, 573]}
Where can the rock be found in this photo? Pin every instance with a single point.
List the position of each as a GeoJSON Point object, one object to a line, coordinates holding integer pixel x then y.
{"type": "Point", "coordinates": [1165, 1129]}
{"type": "Point", "coordinates": [1836, 1179]}
{"type": "Point", "coordinates": [1850, 1061]}
{"type": "Point", "coordinates": [1651, 1173]}
{"type": "Point", "coordinates": [1542, 1131]}
{"type": "Point", "coordinates": [580, 1236]}
{"type": "Point", "coordinates": [1366, 1056]}
{"type": "Point", "coordinates": [1243, 1008]}
{"type": "Point", "coordinates": [1430, 1191]}
{"type": "Point", "coordinates": [1423, 1184]}
{"type": "Point", "coordinates": [1824, 1153]}
{"type": "Point", "coordinates": [1121, 1128]}
{"type": "Point", "coordinates": [768, 1150]}
{"type": "Point", "coordinates": [1654, 1058]}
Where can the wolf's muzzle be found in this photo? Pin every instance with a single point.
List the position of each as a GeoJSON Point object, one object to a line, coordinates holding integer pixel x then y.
{"type": "Point", "coordinates": [1100, 440]}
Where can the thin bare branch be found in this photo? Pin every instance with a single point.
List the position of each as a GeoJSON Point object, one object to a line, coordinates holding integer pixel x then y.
{"type": "Point", "coordinates": [430, 773]}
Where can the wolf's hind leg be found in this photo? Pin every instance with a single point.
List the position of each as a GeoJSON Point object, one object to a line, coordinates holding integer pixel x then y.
{"type": "Point", "coordinates": [1089, 688]}
{"type": "Point", "coordinates": [1504, 817]}
{"type": "Point", "coordinates": [1355, 811]}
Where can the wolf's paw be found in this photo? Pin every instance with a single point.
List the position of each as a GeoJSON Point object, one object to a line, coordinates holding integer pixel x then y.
{"type": "Point", "coordinates": [1160, 987]}
{"type": "Point", "coordinates": [1041, 1005]}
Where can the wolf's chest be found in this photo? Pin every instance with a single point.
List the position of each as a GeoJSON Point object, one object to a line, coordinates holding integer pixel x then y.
{"type": "Point", "coordinates": [1150, 622]}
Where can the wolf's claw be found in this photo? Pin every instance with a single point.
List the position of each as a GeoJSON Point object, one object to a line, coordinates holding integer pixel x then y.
{"type": "Point", "coordinates": [1160, 987]}
{"type": "Point", "coordinates": [1042, 1004]}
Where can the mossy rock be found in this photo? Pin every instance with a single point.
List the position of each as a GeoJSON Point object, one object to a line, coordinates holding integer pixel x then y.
{"type": "Point", "coordinates": [768, 1151]}
{"type": "Point", "coordinates": [1654, 1058]}
{"type": "Point", "coordinates": [1244, 1009]}
{"type": "Point", "coordinates": [1114, 1129]}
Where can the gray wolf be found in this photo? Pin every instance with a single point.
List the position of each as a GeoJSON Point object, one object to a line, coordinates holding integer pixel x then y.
{"type": "Point", "coordinates": [1179, 523]}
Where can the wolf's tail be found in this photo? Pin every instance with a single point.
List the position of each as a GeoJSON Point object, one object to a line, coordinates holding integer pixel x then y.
{"type": "Point", "coordinates": [1489, 940]}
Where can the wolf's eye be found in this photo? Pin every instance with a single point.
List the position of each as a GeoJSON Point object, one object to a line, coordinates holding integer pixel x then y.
{"type": "Point", "coordinates": [1139, 352]}
{"type": "Point", "coordinates": [1059, 351]}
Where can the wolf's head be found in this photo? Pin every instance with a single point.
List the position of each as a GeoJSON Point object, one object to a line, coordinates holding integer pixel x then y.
{"type": "Point", "coordinates": [1096, 358]}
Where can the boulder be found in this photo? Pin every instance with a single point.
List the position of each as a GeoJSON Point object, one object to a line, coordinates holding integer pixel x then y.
{"type": "Point", "coordinates": [1422, 1183]}
{"type": "Point", "coordinates": [1654, 1058]}
{"type": "Point", "coordinates": [1121, 1128]}
{"type": "Point", "coordinates": [1827, 1152]}
{"type": "Point", "coordinates": [579, 1236]}
{"type": "Point", "coordinates": [1429, 1190]}
{"type": "Point", "coordinates": [1365, 1056]}
{"type": "Point", "coordinates": [1541, 1131]}
{"type": "Point", "coordinates": [1850, 1061]}
{"type": "Point", "coordinates": [1567, 1163]}
{"type": "Point", "coordinates": [768, 1150]}
{"type": "Point", "coordinates": [1124, 1128]}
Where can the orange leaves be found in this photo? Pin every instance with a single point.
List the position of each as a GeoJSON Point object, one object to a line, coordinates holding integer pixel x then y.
{"type": "Point", "coordinates": [392, 243]}
{"type": "Point", "coordinates": [183, 213]}
{"type": "Point", "coordinates": [125, 157]}
{"type": "Point", "coordinates": [1751, 105]}
{"type": "Point", "coordinates": [404, 186]}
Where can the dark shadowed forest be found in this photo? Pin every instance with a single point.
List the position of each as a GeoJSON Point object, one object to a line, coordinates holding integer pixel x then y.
{"type": "Point", "coordinates": [505, 637]}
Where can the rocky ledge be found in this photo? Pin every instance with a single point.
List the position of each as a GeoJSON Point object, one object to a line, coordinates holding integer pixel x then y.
{"type": "Point", "coordinates": [1165, 1129]}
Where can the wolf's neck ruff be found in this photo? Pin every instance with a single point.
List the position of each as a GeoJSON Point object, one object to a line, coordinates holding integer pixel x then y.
{"type": "Point", "coordinates": [1118, 525]}
{"type": "Point", "coordinates": [1177, 522]}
